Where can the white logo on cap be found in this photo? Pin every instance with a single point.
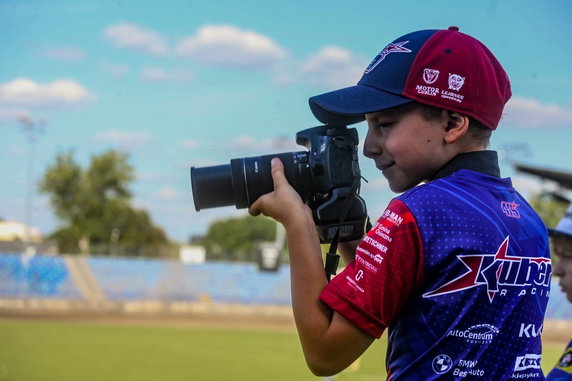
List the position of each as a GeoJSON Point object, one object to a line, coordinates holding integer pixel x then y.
{"type": "Point", "coordinates": [394, 47]}
{"type": "Point", "coordinates": [430, 75]}
{"type": "Point", "coordinates": [456, 82]}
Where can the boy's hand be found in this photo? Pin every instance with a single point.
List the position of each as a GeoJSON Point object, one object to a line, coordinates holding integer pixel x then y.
{"type": "Point", "coordinates": [284, 204]}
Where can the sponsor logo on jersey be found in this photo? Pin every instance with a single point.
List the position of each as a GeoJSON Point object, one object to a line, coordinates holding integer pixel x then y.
{"type": "Point", "coordinates": [529, 330]}
{"type": "Point", "coordinates": [393, 217]}
{"type": "Point", "coordinates": [528, 361]}
{"type": "Point", "coordinates": [476, 334]}
{"type": "Point", "coordinates": [442, 364]}
{"type": "Point", "coordinates": [493, 271]}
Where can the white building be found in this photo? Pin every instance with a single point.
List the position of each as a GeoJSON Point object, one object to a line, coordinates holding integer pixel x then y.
{"type": "Point", "coordinates": [17, 231]}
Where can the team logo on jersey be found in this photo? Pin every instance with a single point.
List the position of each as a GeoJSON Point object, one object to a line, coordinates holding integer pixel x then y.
{"type": "Point", "coordinates": [394, 47]}
{"type": "Point", "coordinates": [510, 209]}
{"type": "Point", "coordinates": [498, 269]}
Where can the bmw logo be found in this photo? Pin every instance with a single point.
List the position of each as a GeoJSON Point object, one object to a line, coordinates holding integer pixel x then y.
{"type": "Point", "coordinates": [442, 364]}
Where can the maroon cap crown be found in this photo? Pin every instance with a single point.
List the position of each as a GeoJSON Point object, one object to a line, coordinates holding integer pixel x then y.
{"type": "Point", "coordinates": [455, 71]}
{"type": "Point", "coordinates": [442, 68]}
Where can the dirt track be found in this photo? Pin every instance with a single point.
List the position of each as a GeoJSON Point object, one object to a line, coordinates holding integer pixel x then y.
{"type": "Point", "coordinates": [209, 319]}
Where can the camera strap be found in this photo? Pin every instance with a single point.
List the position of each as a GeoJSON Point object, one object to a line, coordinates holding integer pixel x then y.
{"type": "Point", "coordinates": [332, 257]}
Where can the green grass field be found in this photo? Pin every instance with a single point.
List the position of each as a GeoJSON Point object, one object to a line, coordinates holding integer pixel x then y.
{"type": "Point", "coordinates": [72, 350]}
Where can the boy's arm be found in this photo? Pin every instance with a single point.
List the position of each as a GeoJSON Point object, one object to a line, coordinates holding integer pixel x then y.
{"type": "Point", "coordinates": [348, 250]}
{"type": "Point", "coordinates": [330, 342]}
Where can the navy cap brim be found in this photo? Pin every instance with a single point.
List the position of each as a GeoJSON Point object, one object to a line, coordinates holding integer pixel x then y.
{"type": "Point", "coordinates": [349, 105]}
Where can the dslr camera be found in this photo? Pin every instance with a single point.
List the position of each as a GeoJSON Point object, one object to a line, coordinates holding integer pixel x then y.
{"type": "Point", "coordinates": [326, 176]}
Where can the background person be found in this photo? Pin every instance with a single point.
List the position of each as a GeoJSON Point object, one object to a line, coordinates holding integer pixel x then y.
{"type": "Point", "coordinates": [561, 237]}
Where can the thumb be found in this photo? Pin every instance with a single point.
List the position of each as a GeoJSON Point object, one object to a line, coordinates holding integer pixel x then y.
{"type": "Point", "coordinates": [277, 171]}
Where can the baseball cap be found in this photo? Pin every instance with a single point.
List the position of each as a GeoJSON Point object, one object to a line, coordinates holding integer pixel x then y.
{"type": "Point", "coordinates": [443, 68]}
{"type": "Point", "coordinates": [564, 225]}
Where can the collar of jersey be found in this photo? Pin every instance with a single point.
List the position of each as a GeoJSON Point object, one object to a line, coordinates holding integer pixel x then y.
{"type": "Point", "coordinates": [486, 162]}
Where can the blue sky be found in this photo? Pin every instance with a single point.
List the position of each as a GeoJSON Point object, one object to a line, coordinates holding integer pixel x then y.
{"type": "Point", "coordinates": [178, 83]}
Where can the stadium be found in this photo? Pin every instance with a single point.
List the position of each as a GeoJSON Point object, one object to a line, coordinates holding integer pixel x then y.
{"type": "Point", "coordinates": [116, 318]}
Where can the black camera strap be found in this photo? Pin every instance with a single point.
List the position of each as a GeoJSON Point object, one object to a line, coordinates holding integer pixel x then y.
{"type": "Point", "coordinates": [332, 257]}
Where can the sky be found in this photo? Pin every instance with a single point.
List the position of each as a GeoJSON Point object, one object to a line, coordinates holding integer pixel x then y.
{"type": "Point", "coordinates": [181, 83]}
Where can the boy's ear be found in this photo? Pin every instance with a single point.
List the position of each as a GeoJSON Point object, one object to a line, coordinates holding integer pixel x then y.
{"type": "Point", "coordinates": [457, 126]}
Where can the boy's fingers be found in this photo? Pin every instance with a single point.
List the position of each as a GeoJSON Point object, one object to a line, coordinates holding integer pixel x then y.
{"type": "Point", "coordinates": [279, 179]}
{"type": "Point", "coordinates": [255, 209]}
{"type": "Point", "coordinates": [277, 170]}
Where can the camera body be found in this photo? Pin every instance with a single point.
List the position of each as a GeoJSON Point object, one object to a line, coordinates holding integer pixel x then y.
{"type": "Point", "coordinates": [326, 176]}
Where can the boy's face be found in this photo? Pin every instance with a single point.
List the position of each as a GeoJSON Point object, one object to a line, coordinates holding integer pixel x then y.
{"type": "Point", "coordinates": [406, 146]}
{"type": "Point", "coordinates": [563, 269]}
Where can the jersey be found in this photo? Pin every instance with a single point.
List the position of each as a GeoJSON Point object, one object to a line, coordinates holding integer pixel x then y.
{"type": "Point", "coordinates": [563, 369]}
{"type": "Point", "coordinates": [458, 270]}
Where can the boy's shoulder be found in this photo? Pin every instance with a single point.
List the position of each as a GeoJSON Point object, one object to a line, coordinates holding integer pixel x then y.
{"type": "Point", "coordinates": [465, 178]}
{"type": "Point", "coordinates": [462, 187]}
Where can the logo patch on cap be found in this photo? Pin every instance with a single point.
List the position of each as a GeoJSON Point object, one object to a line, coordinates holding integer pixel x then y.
{"type": "Point", "coordinates": [394, 47]}
{"type": "Point", "coordinates": [430, 75]}
{"type": "Point", "coordinates": [456, 82]}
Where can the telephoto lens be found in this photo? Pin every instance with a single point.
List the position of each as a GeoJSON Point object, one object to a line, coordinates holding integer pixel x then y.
{"type": "Point", "coordinates": [241, 182]}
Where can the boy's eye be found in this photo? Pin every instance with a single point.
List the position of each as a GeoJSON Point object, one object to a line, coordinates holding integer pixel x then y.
{"type": "Point", "coordinates": [386, 124]}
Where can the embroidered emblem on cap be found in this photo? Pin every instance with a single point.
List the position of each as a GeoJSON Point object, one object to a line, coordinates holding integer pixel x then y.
{"type": "Point", "coordinates": [396, 47]}
{"type": "Point", "coordinates": [456, 82]}
{"type": "Point", "coordinates": [430, 75]}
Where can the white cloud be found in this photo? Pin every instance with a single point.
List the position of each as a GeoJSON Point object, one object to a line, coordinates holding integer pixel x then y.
{"type": "Point", "coordinates": [131, 36]}
{"type": "Point", "coordinates": [330, 67]}
{"type": "Point", "coordinates": [64, 53]}
{"type": "Point", "coordinates": [529, 112]}
{"type": "Point", "coordinates": [230, 46]}
{"type": "Point", "coordinates": [167, 193]}
{"type": "Point", "coordinates": [25, 92]}
{"type": "Point", "coordinates": [155, 74]}
{"type": "Point", "coordinates": [246, 143]}
{"type": "Point", "coordinates": [333, 66]}
{"type": "Point", "coordinates": [191, 144]}
{"type": "Point", "coordinates": [128, 140]}
{"type": "Point", "coordinates": [117, 70]}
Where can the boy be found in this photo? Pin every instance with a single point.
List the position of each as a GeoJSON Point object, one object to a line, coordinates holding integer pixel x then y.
{"type": "Point", "coordinates": [454, 268]}
{"type": "Point", "coordinates": [562, 245]}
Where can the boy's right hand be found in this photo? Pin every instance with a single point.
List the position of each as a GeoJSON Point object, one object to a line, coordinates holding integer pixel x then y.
{"type": "Point", "coordinates": [284, 204]}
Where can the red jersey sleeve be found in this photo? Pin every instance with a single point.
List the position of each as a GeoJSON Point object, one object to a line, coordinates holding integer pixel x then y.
{"type": "Point", "coordinates": [388, 266]}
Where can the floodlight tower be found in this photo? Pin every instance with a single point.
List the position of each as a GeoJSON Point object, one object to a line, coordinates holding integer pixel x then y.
{"type": "Point", "coordinates": [32, 129]}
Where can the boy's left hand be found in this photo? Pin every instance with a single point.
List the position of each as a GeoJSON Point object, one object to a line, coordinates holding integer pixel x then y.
{"type": "Point", "coordinates": [284, 204]}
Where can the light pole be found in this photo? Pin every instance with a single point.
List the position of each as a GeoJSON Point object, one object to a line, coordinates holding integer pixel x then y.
{"type": "Point", "coordinates": [32, 129]}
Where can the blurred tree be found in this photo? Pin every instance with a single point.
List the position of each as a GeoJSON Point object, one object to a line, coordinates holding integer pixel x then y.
{"type": "Point", "coordinates": [235, 239]}
{"type": "Point", "coordinates": [94, 202]}
{"type": "Point", "coordinates": [550, 209]}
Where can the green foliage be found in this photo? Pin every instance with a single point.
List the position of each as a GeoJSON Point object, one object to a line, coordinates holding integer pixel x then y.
{"type": "Point", "coordinates": [236, 238]}
{"type": "Point", "coordinates": [550, 210]}
{"type": "Point", "coordinates": [94, 203]}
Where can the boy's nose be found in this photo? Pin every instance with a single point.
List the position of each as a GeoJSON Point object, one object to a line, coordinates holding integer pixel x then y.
{"type": "Point", "coordinates": [370, 150]}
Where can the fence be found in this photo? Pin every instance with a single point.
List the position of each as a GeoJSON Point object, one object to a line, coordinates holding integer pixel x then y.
{"type": "Point", "coordinates": [116, 280]}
